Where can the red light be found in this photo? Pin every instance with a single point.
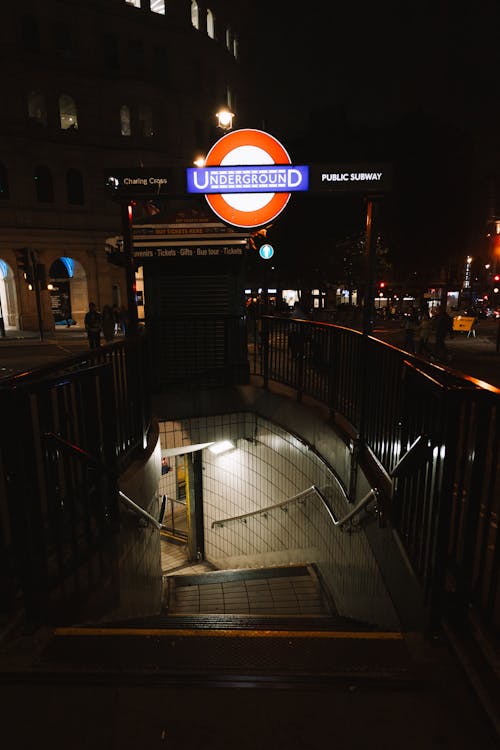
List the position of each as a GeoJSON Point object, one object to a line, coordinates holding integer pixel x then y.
{"type": "Point", "coordinates": [129, 209]}
{"type": "Point", "coordinates": [496, 277]}
{"type": "Point", "coordinates": [382, 284]}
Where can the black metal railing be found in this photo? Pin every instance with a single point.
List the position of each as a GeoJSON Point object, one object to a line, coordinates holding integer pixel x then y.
{"type": "Point", "coordinates": [60, 425]}
{"type": "Point", "coordinates": [444, 502]}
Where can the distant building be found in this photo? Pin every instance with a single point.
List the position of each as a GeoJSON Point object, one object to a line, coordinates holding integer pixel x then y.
{"type": "Point", "coordinates": [87, 86]}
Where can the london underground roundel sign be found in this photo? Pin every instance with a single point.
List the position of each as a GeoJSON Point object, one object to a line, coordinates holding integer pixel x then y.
{"type": "Point", "coordinates": [247, 178]}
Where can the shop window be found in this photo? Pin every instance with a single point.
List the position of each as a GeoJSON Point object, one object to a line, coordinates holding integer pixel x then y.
{"type": "Point", "coordinates": [195, 14]}
{"type": "Point", "coordinates": [158, 6]}
{"type": "Point", "coordinates": [125, 120]}
{"type": "Point", "coordinates": [4, 183]}
{"type": "Point", "coordinates": [67, 112]}
{"type": "Point", "coordinates": [43, 185]}
{"type": "Point", "coordinates": [210, 24]}
{"type": "Point", "coordinates": [74, 187]}
{"type": "Point", "coordinates": [30, 38]}
{"type": "Point", "coordinates": [37, 107]}
{"type": "Point", "coordinates": [146, 120]}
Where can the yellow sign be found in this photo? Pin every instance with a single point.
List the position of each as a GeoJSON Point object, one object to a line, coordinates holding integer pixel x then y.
{"type": "Point", "coordinates": [463, 323]}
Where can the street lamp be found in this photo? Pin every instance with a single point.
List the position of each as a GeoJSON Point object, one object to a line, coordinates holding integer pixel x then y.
{"type": "Point", "coordinates": [225, 119]}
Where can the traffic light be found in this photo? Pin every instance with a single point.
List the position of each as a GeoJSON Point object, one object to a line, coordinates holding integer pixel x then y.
{"type": "Point", "coordinates": [24, 257]}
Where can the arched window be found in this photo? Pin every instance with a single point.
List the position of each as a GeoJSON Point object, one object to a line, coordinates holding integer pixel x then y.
{"type": "Point", "coordinates": [157, 6]}
{"type": "Point", "coordinates": [210, 24]}
{"type": "Point", "coordinates": [43, 185]}
{"type": "Point", "coordinates": [135, 52]}
{"type": "Point", "coordinates": [63, 42]}
{"type": "Point", "coordinates": [67, 112]}
{"type": "Point", "coordinates": [110, 52]}
{"type": "Point", "coordinates": [4, 183]}
{"type": "Point", "coordinates": [146, 120]}
{"type": "Point", "coordinates": [37, 107]}
{"type": "Point", "coordinates": [74, 187]}
{"type": "Point", "coordinates": [195, 14]}
{"type": "Point", "coordinates": [125, 128]}
{"type": "Point", "coordinates": [30, 38]}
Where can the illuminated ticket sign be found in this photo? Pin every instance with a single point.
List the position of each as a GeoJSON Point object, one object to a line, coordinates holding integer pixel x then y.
{"type": "Point", "coordinates": [247, 178]}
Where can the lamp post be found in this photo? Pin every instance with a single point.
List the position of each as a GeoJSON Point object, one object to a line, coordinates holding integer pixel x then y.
{"type": "Point", "coordinates": [225, 119]}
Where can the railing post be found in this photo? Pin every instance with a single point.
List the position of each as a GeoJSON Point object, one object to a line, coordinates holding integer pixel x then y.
{"type": "Point", "coordinates": [264, 336]}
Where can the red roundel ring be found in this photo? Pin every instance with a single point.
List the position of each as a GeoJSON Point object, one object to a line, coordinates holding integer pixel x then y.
{"type": "Point", "coordinates": [252, 147]}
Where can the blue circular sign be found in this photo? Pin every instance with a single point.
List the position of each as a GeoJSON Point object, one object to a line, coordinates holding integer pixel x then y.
{"type": "Point", "coordinates": [266, 251]}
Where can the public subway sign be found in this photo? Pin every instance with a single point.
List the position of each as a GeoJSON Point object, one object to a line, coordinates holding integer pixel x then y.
{"type": "Point", "coordinates": [247, 178]}
{"type": "Point", "coordinates": [365, 178]}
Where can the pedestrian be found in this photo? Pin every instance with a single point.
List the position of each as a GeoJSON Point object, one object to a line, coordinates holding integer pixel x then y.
{"type": "Point", "coordinates": [117, 316]}
{"type": "Point", "coordinates": [108, 323]}
{"type": "Point", "coordinates": [410, 326]}
{"type": "Point", "coordinates": [423, 332]}
{"type": "Point", "coordinates": [93, 326]}
{"type": "Point", "coordinates": [443, 328]}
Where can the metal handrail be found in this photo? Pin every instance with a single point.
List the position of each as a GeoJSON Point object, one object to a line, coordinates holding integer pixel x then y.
{"type": "Point", "coordinates": [137, 509]}
{"type": "Point", "coordinates": [371, 494]}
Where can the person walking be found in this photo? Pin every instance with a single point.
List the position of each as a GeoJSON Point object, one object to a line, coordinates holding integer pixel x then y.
{"type": "Point", "coordinates": [93, 326]}
{"type": "Point", "coordinates": [410, 326]}
{"type": "Point", "coordinates": [424, 329]}
{"type": "Point", "coordinates": [443, 328]}
{"type": "Point", "coordinates": [108, 323]}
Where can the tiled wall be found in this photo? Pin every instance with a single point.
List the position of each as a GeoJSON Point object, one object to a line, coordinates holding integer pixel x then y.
{"type": "Point", "coordinates": [269, 466]}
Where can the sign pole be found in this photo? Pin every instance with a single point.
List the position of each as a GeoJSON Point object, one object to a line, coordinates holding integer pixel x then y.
{"type": "Point", "coordinates": [36, 285]}
{"type": "Point", "coordinates": [370, 259]}
{"type": "Point", "coordinates": [132, 325]}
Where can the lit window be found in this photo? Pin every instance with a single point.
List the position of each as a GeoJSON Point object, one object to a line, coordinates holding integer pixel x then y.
{"type": "Point", "coordinates": [229, 39]}
{"type": "Point", "coordinates": [67, 112]}
{"type": "Point", "coordinates": [235, 48]}
{"type": "Point", "coordinates": [158, 6]}
{"type": "Point", "coordinates": [210, 24]}
{"type": "Point", "coordinates": [125, 120]}
{"type": "Point", "coordinates": [195, 15]}
{"type": "Point", "coordinates": [135, 3]}
{"type": "Point", "coordinates": [37, 108]}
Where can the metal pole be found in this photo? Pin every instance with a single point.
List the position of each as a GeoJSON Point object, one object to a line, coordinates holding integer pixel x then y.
{"type": "Point", "coordinates": [2, 324]}
{"type": "Point", "coordinates": [36, 284]}
{"type": "Point", "coordinates": [128, 257]}
{"type": "Point", "coordinates": [371, 258]}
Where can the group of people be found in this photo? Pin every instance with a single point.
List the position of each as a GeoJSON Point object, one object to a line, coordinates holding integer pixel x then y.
{"type": "Point", "coordinates": [108, 323]}
{"type": "Point", "coordinates": [418, 330]}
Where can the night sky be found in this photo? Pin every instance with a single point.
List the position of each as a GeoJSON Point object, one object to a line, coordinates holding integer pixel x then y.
{"type": "Point", "coordinates": [411, 85]}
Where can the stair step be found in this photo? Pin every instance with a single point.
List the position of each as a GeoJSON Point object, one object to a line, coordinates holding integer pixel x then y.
{"type": "Point", "coordinates": [255, 592]}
